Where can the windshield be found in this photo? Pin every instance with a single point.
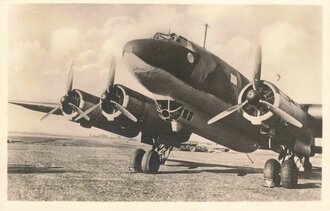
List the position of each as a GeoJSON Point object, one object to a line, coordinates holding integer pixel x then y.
{"type": "Point", "coordinates": [163, 36]}
{"type": "Point", "coordinates": [174, 37]}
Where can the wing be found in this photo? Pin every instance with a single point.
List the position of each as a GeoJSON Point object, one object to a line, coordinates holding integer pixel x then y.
{"type": "Point", "coordinates": [38, 106]}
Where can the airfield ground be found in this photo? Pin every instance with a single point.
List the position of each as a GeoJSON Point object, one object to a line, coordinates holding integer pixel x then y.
{"type": "Point", "coordinates": [67, 169]}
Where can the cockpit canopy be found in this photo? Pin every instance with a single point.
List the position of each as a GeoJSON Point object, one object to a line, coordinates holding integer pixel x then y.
{"type": "Point", "coordinates": [176, 38]}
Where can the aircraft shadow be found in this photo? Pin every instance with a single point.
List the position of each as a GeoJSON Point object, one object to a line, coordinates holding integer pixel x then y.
{"type": "Point", "coordinates": [29, 169]}
{"type": "Point", "coordinates": [239, 170]}
{"type": "Point", "coordinates": [315, 174]}
{"type": "Point", "coordinates": [308, 185]}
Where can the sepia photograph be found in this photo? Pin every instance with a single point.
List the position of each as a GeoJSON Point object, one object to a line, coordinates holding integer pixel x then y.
{"type": "Point", "coordinates": [114, 102]}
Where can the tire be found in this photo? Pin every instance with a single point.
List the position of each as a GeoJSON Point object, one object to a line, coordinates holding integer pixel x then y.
{"type": "Point", "coordinates": [272, 172]}
{"type": "Point", "coordinates": [192, 149]}
{"type": "Point", "coordinates": [136, 160]}
{"type": "Point", "coordinates": [289, 174]}
{"type": "Point", "coordinates": [150, 162]}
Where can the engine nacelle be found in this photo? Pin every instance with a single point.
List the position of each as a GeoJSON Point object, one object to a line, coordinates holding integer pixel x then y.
{"type": "Point", "coordinates": [81, 99]}
{"type": "Point", "coordinates": [141, 106]}
{"type": "Point", "coordinates": [301, 139]}
{"type": "Point", "coordinates": [314, 110]}
{"type": "Point", "coordinates": [273, 95]}
{"type": "Point", "coordinates": [131, 100]}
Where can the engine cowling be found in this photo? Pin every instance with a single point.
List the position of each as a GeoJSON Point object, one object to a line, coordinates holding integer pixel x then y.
{"type": "Point", "coordinates": [259, 114]}
{"type": "Point", "coordinates": [300, 138]}
{"type": "Point", "coordinates": [78, 98]}
{"type": "Point", "coordinates": [141, 106]}
{"type": "Point", "coordinates": [131, 100]}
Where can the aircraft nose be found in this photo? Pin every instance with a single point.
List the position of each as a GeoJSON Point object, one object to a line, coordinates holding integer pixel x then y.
{"type": "Point", "coordinates": [136, 56]}
{"type": "Point", "coordinates": [168, 56]}
{"type": "Point", "coordinates": [133, 44]}
{"type": "Point", "coordinates": [145, 49]}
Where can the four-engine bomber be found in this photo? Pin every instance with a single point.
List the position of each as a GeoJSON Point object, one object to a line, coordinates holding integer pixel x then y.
{"type": "Point", "coordinates": [202, 94]}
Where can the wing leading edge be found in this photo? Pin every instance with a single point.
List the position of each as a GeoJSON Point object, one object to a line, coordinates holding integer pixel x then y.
{"type": "Point", "coordinates": [38, 106]}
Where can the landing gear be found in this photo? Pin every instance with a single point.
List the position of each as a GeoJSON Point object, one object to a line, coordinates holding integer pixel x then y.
{"type": "Point", "coordinates": [272, 172]}
{"type": "Point", "coordinates": [285, 174]}
{"type": "Point", "coordinates": [150, 161]}
{"type": "Point", "coordinates": [136, 160]}
{"type": "Point", "coordinates": [307, 165]}
{"type": "Point", "coordinates": [289, 174]}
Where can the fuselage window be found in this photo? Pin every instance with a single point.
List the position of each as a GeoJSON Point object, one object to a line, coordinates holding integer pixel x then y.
{"type": "Point", "coordinates": [190, 116]}
{"type": "Point", "coordinates": [182, 42]}
{"type": "Point", "coordinates": [185, 43]}
{"type": "Point", "coordinates": [189, 46]}
{"type": "Point", "coordinates": [185, 113]}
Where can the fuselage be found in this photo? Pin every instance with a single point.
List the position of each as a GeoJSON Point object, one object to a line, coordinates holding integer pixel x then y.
{"type": "Point", "coordinates": [205, 84]}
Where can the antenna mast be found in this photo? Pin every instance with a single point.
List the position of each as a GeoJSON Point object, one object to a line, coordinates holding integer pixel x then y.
{"type": "Point", "coordinates": [206, 26]}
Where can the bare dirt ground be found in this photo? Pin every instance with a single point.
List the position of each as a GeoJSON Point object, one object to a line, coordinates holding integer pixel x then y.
{"type": "Point", "coordinates": [55, 169]}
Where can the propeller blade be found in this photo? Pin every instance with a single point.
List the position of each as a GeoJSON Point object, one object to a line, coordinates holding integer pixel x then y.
{"type": "Point", "coordinates": [112, 72]}
{"type": "Point", "coordinates": [125, 111]}
{"type": "Point", "coordinates": [80, 112]}
{"type": "Point", "coordinates": [87, 111]}
{"type": "Point", "coordinates": [51, 112]}
{"type": "Point", "coordinates": [70, 78]}
{"type": "Point", "coordinates": [226, 112]}
{"type": "Point", "coordinates": [285, 116]}
{"type": "Point", "coordinates": [257, 70]}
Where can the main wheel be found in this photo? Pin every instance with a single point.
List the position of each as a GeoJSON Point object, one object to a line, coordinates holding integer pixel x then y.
{"type": "Point", "coordinates": [272, 172]}
{"type": "Point", "coordinates": [136, 160]}
{"type": "Point", "coordinates": [192, 149]}
{"type": "Point", "coordinates": [150, 162]}
{"type": "Point", "coordinates": [289, 174]}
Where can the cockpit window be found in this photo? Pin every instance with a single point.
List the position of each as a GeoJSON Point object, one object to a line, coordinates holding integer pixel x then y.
{"type": "Point", "coordinates": [163, 36]}
{"type": "Point", "coordinates": [174, 37]}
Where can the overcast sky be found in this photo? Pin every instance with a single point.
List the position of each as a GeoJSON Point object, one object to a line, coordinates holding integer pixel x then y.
{"type": "Point", "coordinates": [43, 39]}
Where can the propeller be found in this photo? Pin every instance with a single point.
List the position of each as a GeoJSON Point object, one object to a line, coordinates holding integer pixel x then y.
{"type": "Point", "coordinates": [112, 73]}
{"type": "Point", "coordinates": [70, 79]}
{"type": "Point", "coordinates": [285, 116]}
{"type": "Point", "coordinates": [255, 98]}
{"type": "Point", "coordinates": [257, 70]}
{"type": "Point", "coordinates": [67, 98]}
{"type": "Point", "coordinates": [79, 111]}
{"type": "Point", "coordinates": [51, 112]}
{"type": "Point", "coordinates": [124, 111]}
{"type": "Point", "coordinates": [107, 95]}
{"type": "Point", "coordinates": [84, 114]}
{"type": "Point", "coordinates": [227, 112]}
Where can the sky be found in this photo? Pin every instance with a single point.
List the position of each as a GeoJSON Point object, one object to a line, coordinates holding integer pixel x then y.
{"type": "Point", "coordinates": [44, 38]}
